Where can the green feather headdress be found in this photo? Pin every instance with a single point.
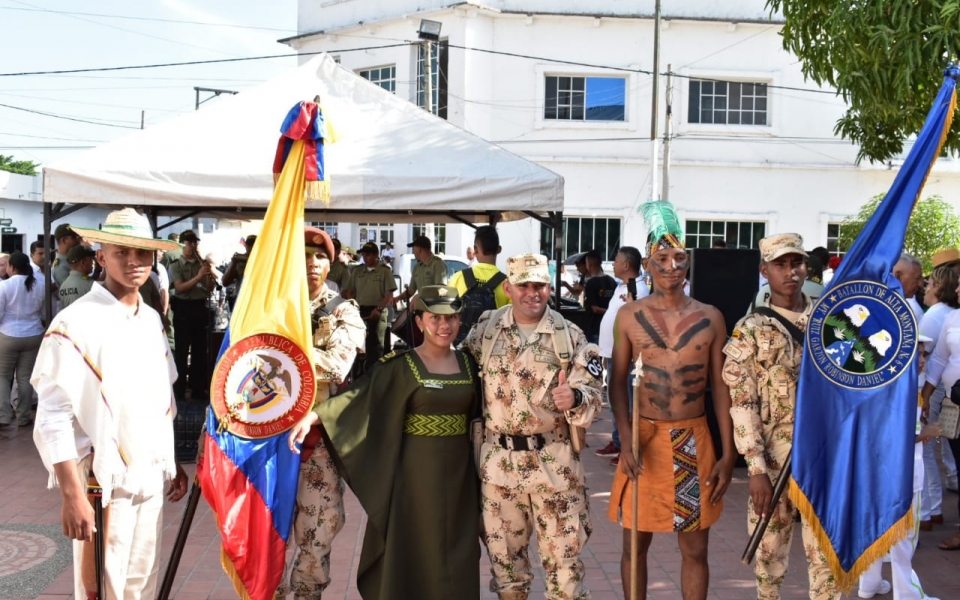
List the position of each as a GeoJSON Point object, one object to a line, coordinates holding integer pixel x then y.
{"type": "Point", "coordinates": [663, 226]}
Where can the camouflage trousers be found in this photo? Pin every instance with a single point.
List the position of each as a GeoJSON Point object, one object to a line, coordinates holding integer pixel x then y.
{"type": "Point", "coordinates": [319, 517]}
{"type": "Point", "coordinates": [562, 524]}
{"type": "Point", "coordinates": [773, 554]}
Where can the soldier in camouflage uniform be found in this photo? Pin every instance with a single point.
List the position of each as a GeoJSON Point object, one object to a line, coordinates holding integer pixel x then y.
{"type": "Point", "coordinates": [761, 369]}
{"type": "Point", "coordinates": [338, 331]}
{"type": "Point", "coordinates": [540, 377]}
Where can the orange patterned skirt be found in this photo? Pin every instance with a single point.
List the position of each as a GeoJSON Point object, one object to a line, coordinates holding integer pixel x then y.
{"type": "Point", "coordinates": [678, 457]}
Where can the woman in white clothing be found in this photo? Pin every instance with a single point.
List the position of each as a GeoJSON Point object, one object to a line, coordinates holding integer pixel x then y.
{"type": "Point", "coordinates": [941, 298]}
{"type": "Point", "coordinates": [943, 370]}
{"type": "Point", "coordinates": [21, 331]}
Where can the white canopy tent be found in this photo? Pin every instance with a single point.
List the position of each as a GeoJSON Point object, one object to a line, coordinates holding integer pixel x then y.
{"type": "Point", "coordinates": [392, 160]}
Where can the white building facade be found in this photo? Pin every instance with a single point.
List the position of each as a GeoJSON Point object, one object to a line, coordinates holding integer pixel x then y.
{"type": "Point", "coordinates": [567, 84]}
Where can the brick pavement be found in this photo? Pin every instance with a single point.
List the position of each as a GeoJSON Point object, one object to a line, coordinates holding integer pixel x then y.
{"type": "Point", "coordinates": [25, 499]}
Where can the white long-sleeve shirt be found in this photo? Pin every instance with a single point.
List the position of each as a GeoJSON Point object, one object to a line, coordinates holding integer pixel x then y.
{"type": "Point", "coordinates": [943, 365]}
{"type": "Point", "coordinates": [20, 309]}
{"type": "Point", "coordinates": [104, 378]}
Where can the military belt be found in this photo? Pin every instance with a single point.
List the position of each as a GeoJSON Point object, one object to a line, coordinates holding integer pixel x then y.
{"type": "Point", "coordinates": [536, 441]}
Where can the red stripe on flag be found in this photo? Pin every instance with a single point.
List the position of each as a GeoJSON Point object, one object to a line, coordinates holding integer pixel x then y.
{"type": "Point", "coordinates": [249, 540]}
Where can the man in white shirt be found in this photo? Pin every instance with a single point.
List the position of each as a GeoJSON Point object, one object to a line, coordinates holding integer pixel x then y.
{"type": "Point", "coordinates": [626, 268]}
{"type": "Point", "coordinates": [104, 380]}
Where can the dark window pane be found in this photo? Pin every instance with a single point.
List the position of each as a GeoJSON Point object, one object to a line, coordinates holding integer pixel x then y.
{"type": "Point", "coordinates": [734, 97]}
{"type": "Point", "coordinates": [563, 97]}
{"type": "Point", "coordinates": [747, 103]}
{"type": "Point", "coordinates": [747, 89]}
{"type": "Point", "coordinates": [720, 103]}
{"type": "Point", "coordinates": [733, 118]}
{"type": "Point", "coordinates": [760, 119]}
{"type": "Point", "coordinates": [833, 230]}
{"type": "Point", "coordinates": [613, 238]}
{"type": "Point", "coordinates": [731, 234]}
{"type": "Point", "coordinates": [563, 112]}
{"type": "Point", "coordinates": [576, 99]}
{"type": "Point", "coordinates": [706, 116]}
{"type": "Point", "coordinates": [720, 117]}
{"type": "Point", "coordinates": [576, 113]}
{"type": "Point", "coordinates": [706, 103]}
{"type": "Point", "coordinates": [721, 88]}
{"type": "Point", "coordinates": [707, 87]}
{"type": "Point", "coordinates": [760, 104]}
{"type": "Point", "coordinates": [564, 83]}
{"type": "Point", "coordinates": [693, 109]}
{"type": "Point", "coordinates": [578, 83]}
{"type": "Point", "coordinates": [759, 232]}
{"type": "Point", "coordinates": [717, 228]}
{"type": "Point", "coordinates": [691, 227]}
{"type": "Point", "coordinates": [760, 89]}
{"type": "Point", "coordinates": [586, 234]}
{"type": "Point", "coordinates": [573, 236]}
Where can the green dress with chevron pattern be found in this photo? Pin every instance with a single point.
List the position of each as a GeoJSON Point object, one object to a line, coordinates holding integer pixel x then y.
{"type": "Point", "coordinates": [399, 437]}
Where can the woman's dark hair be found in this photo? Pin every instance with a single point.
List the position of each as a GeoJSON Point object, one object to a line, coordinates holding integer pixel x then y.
{"type": "Point", "coordinates": [945, 278]}
{"type": "Point", "coordinates": [20, 262]}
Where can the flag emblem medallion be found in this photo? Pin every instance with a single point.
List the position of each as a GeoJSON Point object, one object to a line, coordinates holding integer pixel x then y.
{"type": "Point", "coordinates": [262, 386]}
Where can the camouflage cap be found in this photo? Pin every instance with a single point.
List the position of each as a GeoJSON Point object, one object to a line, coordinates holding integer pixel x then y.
{"type": "Point", "coordinates": [528, 268]}
{"type": "Point", "coordinates": [774, 246]}
{"type": "Point", "coordinates": [438, 299]}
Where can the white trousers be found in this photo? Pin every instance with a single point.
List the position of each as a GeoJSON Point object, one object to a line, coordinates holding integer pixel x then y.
{"type": "Point", "coordinates": [132, 557]}
{"type": "Point", "coordinates": [906, 584]}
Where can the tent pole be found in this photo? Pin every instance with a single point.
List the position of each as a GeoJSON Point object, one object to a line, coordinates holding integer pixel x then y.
{"type": "Point", "coordinates": [47, 298]}
{"type": "Point", "coordinates": [557, 252]}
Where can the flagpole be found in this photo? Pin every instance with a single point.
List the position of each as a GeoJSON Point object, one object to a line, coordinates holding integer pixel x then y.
{"type": "Point", "coordinates": [761, 527]}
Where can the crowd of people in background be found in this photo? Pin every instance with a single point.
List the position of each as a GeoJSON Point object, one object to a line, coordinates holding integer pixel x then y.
{"type": "Point", "coordinates": [542, 381]}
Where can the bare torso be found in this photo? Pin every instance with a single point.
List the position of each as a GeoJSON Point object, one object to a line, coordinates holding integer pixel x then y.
{"type": "Point", "coordinates": [675, 344]}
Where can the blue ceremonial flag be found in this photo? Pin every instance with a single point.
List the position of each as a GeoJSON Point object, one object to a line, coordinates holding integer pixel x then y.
{"type": "Point", "coordinates": [857, 398]}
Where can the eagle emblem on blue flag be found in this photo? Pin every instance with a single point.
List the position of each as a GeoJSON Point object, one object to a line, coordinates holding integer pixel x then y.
{"type": "Point", "coordinates": [862, 334]}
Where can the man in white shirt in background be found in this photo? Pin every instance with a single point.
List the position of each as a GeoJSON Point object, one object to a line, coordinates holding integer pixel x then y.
{"type": "Point", "coordinates": [626, 268]}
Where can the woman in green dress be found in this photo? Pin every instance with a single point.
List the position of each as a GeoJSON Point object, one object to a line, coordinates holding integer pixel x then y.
{"type": "Point", "coordinates": [399, 437]}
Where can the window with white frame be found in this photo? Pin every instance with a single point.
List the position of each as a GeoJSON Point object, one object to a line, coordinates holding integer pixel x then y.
{"type": "Point", "coordinates": [576, 98]}
{"type": "Point", "coordinates": [581, 234]}
{"type": "Point", "coordinates": [833, 240]}
{"type": "Point", "coordinates": [378, 233]}
{"type": "Point", "coordinates": [737, 234]}
{"type": "Point", "coordinates": [331, 228]}
{"type": "Point", "coordinates": [728, 102]}
{"type": "Point", "coordinates": [439, 236]}
{"type": "Point", "coordinates": [385, 77]}
{"type": "Point", "coordinates": [438, 65]}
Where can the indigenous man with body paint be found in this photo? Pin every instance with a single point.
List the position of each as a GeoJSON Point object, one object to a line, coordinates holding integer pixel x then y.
{"type": "Point", "coordinates": [675, 344]}
{"type": "Point", "coordinates": [761, 369]}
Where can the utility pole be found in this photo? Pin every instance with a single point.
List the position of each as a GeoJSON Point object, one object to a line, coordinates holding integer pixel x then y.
{"type": "Point", "coordinates": [143, 115]}
{"type": "Point", "coordinates": [667, 134]}
{"type": "Point", "coordinates": [428, 71]}
{"type": "Point", "coordinates": [655, 104]}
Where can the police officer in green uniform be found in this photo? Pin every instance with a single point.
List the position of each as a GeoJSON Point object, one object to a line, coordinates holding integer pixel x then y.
{"type": "Point", "coordinates": [429, 270]}
{"type": "Point", "coordinates": [339, 273]}
{"type": "Point", "coordinates": [371, 285]}
{"type": "Point", "coordinates": [193, 281]}
{"type": "Point", "coordinates": [66, 239]}
{"type": "Point", "coordinates": [80, 262]}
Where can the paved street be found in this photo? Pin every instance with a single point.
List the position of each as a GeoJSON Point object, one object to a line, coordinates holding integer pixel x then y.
{"type": "Point", "coordinates": [34, 559]}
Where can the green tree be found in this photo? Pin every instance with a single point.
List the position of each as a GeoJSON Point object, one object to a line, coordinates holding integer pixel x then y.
{"type": "Point", "coordinates": [886, 58]}
{"type": "Point", "coordinates": [933, 226]}
{"type": "Point", "coordinates": [22, 167]}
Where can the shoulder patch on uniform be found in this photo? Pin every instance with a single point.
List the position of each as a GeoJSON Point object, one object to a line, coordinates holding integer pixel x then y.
{"type": "Point", "coordinates": [736, 333]}
{"type": "Point", "coordinates": [595, 367]}
{"type": "Point", "coordinates": [388, 357]}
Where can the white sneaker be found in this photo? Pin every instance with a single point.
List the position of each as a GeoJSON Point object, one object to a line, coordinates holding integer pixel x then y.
{"type": "Point", "coordinates": [884, 588]}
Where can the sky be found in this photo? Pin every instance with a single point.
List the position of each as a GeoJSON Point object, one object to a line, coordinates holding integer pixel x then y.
{"type": "Point", "coordinates": [51, 35]}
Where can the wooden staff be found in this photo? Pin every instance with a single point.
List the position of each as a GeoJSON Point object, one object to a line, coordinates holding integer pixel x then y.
{"type": "Point", "coordinates": [635, 487]}
{"type": "Point", "coordinates": [761, 527]}
{"type": "Point", "coordinates": [93, 557]}
{"type": "Point", "coordinates": [178, 546]}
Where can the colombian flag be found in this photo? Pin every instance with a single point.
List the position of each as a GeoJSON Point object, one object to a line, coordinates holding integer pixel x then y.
{"type": "Point", "coordinates": [857, 398]}
{"type": "Point", "coordinates": [263, 383]}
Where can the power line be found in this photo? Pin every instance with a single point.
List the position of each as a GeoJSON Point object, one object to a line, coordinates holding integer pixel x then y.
{"type": "Point", "coordinates": [44, 137]}
{"type": "Point", "coordinates": [65, 117]}
{"type": "Point", "coordinates": [46, 148]}
{"type": "Point", "coordinates": [199, 62]}
{"type": "Point", "coordinates": [154, 19]}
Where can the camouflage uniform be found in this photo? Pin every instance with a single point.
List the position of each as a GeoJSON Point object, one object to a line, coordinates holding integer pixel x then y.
{"type": "Point", "coordinates": [545, 488]}
{"type": "Point", "coordinates": [761, 369]}
{"type": "Point", "coordinates": [319, 514]}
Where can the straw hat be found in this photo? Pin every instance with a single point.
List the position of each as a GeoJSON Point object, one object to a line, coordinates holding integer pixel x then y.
{"type": "Point", "coordinates": [945, 256]}
{"type": "Point", "coordinates": [128, 228]}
